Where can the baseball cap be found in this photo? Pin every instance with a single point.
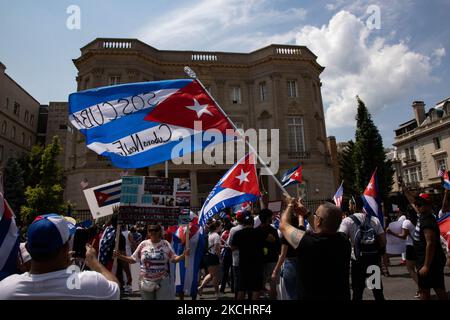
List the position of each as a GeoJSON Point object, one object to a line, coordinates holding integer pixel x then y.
{"type": "Point", "coordinates": [48, 233]}
{"type": "Point", "coordinates": [423, 199]}
{"type": "Point", "coordinates": [242, 215]}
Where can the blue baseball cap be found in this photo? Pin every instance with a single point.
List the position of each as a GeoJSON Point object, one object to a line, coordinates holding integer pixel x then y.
{"type": "Point", "coordinates": [49, 233]}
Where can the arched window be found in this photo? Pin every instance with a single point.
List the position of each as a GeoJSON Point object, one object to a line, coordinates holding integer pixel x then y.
{"type": "Point", "coordinates": [4, 127]}
{"type": "Point", "coordinates": [13, 133]}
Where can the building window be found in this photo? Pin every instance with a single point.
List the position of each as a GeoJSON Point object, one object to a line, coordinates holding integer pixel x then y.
{"type": "Point", "coordinates": [437, 143]}
{"type": "Point", "coordinates": [16, 109]}
{"type": "Point", "coordinates": [236, 95]}
{"type": "Point", "coordinates": [32, 119]}
{"type": "Point", "coordinates": [13, 133]}
{"type": "Point", "coordinates": [409, 154]}
{"type": "Point", "coordinates": [441, 164]}
{"type": "Point", "coordinates": [23, 139]}
{"type": "Point", "coordinates": [7, 103]}
{"type": "Point", "coordinates": [1, 153]}
{"type": "Point", "coordinates": [296, 134]}
{"type": "Point", "coordinates": [292, 88]}
{"type": "Point", "coordinates": [263, 91]}
{"type": "Point", "coordinates": [4, 127]}
{"type": "Point", "coordinates": [26, 116]}
{"type": "Point", "coordinates": [113, 80]}
{"type": "Point", "coordinates": [29, 142]}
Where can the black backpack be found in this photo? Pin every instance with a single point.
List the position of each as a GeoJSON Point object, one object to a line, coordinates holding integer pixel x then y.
{"type": "Point", "coordinates": [367, 244]}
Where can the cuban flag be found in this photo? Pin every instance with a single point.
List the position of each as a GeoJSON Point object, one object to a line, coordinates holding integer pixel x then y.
{"type": "Point", "coordinates": [371, 200]}
{"type": "Point", "coordinates": [186, 279]}
{"type": "Point", "coordinates": [292, 176]}
{"type": "Point", "coordinates": [446, 182]}
{"type": "Point", "coordinates": [337, 198]}
{"type": "Point", "coordinates": [238, 185]}
{"type": "Point", "coordinates": [241, 207]}
{"type": "Point", "coordinates": [141, 124]}
{"type": "Point", "coordinates": [9, 238]}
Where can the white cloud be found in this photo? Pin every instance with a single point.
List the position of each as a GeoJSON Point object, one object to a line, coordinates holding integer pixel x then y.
{"type": "Point", "coordinates": [217, 24]}
{"type": "Point", "coordinates": [356, 64]}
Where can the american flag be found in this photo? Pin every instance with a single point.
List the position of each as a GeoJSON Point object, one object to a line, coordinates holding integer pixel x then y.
{"type": "Point", "coordinates": [339, 194]}
{"type": "Point", "coordinates": [107, 243]}
{"type": "Point", "coordinates": [441, 172]}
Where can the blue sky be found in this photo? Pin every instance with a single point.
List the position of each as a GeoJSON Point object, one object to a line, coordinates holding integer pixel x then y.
{"type": "Point", "coordinates": [405, 60]}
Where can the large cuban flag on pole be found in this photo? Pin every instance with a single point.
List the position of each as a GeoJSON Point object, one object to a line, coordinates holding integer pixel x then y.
{"type": "Point", "coordinates": [139, 124]}
{"type": "Point", "coordinates": [371, 199]}
{"type": "Point", "coordinates": [238, 185]}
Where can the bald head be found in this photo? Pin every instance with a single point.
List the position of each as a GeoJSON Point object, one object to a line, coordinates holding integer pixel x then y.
{"type": "Point", "coordinates": [331, 217]}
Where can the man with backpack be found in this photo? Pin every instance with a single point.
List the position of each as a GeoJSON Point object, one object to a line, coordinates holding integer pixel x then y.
{"type": "Point", "coordinates": [369, 244]}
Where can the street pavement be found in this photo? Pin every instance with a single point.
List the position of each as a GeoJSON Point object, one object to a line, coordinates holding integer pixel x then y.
{"type": "Point", "coordinates": [398, 286]}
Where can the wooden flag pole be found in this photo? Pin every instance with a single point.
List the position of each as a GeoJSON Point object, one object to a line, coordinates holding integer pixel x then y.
{"type": "Point", "coordinates": [193, 75]}
{"type": "Point", "coordinates": [116, 245]}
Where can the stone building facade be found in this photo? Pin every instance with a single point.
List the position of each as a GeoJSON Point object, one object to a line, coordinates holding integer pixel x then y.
{"type": "Point", "coordinates": [18, 119]}
{"type": "Point", "coordinates": [422, 146]}
{"type": "Point", "coordinates": [273, 87]}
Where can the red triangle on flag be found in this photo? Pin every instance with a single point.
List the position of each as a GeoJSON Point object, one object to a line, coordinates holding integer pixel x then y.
{"type": "Point", "coordinates": [190, 103]}
{"type": "Point", "coordinates": [371, 187]}
{"type": "Point", "coordinates": [243, 177]}
{"type": "Point", "coordinates": [100, 197]}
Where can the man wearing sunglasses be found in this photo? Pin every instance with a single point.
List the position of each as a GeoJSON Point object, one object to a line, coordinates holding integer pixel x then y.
{"type": "Point", "coordinates": [323, 255]}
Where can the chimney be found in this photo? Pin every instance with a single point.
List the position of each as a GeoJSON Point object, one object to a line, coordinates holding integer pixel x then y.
{"type": "Point", "coordinates": [419, 111]}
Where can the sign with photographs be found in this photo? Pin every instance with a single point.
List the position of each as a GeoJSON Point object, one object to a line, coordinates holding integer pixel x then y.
{"type": "Point", "coordinates": [153, 199]}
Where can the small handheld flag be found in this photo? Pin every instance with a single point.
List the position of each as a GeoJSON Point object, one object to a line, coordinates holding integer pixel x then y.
{"type": "Point", "coordinates": [446, 182]}
{"type": "Point", "coordinates": [292, 176]}
{"type": "Point", "coordinates": [371, 199]}
{"type": "Point", "coordinates": [339, 194]}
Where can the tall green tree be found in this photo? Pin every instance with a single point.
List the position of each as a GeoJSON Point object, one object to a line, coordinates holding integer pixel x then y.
{"type": "Point", "coordinates": [347, 169]}
{"type": "Point", "coordinates": [46, 196]}
{"type": "Point", "coordinates": [13, 183]}
{"type": "Point", "coordinates": [368, 154]}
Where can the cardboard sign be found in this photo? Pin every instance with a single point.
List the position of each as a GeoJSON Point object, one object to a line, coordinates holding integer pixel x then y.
{"type": "Point", "coordinates": [153, 199]}
{"type": "Point", "coordinates": [102, 198]}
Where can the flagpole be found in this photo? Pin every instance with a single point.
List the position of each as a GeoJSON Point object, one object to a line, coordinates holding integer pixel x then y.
{"type": "Point", "coordinates": [193, 75]}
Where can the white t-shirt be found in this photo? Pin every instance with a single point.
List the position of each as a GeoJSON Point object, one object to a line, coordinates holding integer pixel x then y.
{"type": "Point", "coordinates": [235, 253]}
{"type": "Point", "coordinates": [407, 225]}
{"type": "Point", "coordinates": [213, 240]}
{"type": "Point", "coordinates": [349, 227]}
{"type": "Point", "coordinates": [154, 259]}
{"type": "Point", "coordinates": [59, 285]}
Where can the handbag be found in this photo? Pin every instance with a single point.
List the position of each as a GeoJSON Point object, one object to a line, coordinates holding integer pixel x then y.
{"type": "Point", "coordinates": [149, 285]}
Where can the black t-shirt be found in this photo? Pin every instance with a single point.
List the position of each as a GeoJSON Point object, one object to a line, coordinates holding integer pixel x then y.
{"type": "Point", "coordinates": [291, 252]}
{"type": "Point", "coordinates": [271, 249]}
{"type": "Point", "coordinates": [250, 242]}
{"type": "Point", "coordinates": [323, 267]}
{"type": "Point", "coordinates": [427, 222]}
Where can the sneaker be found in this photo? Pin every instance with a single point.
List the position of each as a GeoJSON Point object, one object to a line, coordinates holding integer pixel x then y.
{"type": "Point", "coordinates": [128, 290]}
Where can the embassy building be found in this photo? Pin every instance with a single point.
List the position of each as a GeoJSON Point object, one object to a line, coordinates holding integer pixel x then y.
{"type": "Point", "coordinates": [275, 87]}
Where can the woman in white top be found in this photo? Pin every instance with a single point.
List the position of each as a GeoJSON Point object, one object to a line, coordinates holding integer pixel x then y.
{"type": "Point", "coordinates": [154, 255]}
{"type": "Point", "coordinates": [407, 232]}
{"type": "Point", "coordinates": [212, 258]}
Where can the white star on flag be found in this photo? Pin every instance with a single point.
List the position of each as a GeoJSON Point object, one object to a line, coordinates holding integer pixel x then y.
{"type": "Point", "coordinates": [296, 174]}
{"type": "Point", "coordinates": [370, 186]}
{"type": "Point", "coordinates": [243, 177]}
{"type": "Point", "coordinates": [200, 109]}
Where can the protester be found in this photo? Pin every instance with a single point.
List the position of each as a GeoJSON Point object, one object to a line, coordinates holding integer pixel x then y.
{"type": "Point", "coordinates": [250, 243]}
{"type": "Point", "coordinates": [445, 209]}
{"type": "Point", "coordinates": [430, 256]}
{"type": "Point", "coordinates": [407, 231]}
{"type": "Point", "coordinates": [235, 253]}
{"type": "Point", "coordinates": [49, 245]}
{"type": "Point", "coordinates": [271, 251]}
{"type": "Point", "coordinates": [226, 257]}
{"type": "Point", "coordinates": [369, 245]}
{"type": "Point", "coordinates": [286, 268]}
{"type": "Point", "coordinates": [153, 255]}
{"type": "Point", "coordinates": [323, 254]}
{"type": "Point", "coordinates": [212, 259]}
{"type": "Point", "coordinates": [135, 238]}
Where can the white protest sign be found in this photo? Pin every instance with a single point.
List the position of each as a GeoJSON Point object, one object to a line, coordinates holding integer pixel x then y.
{"type": "Point", "coordinates": [102, 198]}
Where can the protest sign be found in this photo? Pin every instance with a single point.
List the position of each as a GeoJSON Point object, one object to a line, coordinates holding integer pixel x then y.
{"type": "Point", "coordinates": [153, 199]}
{"type": "Point", "coordinates": [102, 198]}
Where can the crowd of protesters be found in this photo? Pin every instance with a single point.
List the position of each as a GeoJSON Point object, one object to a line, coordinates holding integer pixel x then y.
{"type": "Point", "coordinates": [326, 254]}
